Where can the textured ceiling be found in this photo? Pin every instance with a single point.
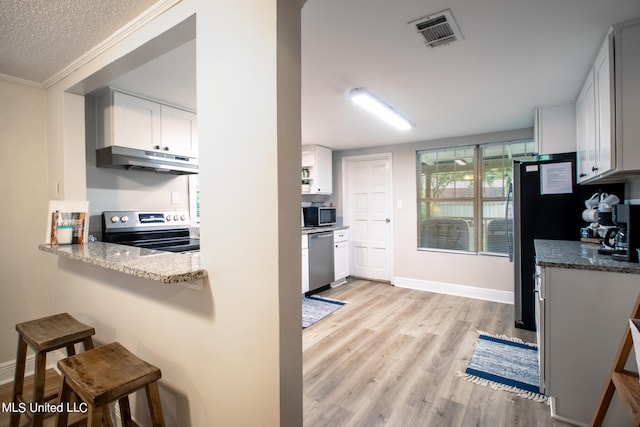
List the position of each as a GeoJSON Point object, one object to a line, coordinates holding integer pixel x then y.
{"type": "Point", "coordinates": [41, 37]}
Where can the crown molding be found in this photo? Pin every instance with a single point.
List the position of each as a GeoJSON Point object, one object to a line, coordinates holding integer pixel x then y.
{"type": "Point", "coordinates": [25, 82]}
{"type": "Point", "coordinates": [131, 27]}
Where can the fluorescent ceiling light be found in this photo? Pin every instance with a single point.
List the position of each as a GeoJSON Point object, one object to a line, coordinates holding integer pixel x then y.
{"type": "Point", "coordinates": [460, 162]}
{"type": "Point", "coordinates": [378, 107]}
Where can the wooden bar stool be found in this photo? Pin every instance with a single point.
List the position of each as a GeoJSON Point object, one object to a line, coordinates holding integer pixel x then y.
{"type": "Point", "coordinates": [104, 375]}
{"type": "Point", "coordinates": [44, 335]}
{"type": "Point", "coordinates": [621, 382]}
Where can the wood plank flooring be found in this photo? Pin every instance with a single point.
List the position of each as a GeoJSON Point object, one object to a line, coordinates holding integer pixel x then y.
{"type": "Point", "coordinates": [390, 357]}
{"type": "Point", "coordinates": [52, 385]}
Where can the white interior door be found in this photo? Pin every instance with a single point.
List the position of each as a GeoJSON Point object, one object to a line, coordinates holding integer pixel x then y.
{"type": "Point", "coordinates": [367, 190]}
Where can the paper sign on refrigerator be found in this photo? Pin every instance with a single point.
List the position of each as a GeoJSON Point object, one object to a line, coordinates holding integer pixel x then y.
{"type": "Point", "coordinates": [556, 178]}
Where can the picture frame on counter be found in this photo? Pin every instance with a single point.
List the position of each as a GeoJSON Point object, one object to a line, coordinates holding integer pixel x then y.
{"type": "Point", "coordinates": [67, 222]}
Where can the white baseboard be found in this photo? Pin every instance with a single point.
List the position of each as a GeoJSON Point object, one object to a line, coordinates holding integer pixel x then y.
{"type": "Point", "coordinates": [555, 416]}
{"type": "Point", "coordinates": [8, 369]}
{"type": "Point", "coordinates": [338, 282]}
{"type": "Point", "coordinates": [457, 290]}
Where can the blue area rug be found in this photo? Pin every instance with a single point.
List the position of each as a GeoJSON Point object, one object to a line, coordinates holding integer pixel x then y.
{"type": "Point", "coordinates": [316, 308]}
{"type": "Point", "coordinates": [507, 364]}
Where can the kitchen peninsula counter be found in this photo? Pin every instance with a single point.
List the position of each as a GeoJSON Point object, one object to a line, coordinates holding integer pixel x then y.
{"type": "Point", "coordinates": [580, 256]}
{"type": "Point", "coordinates": [159, 266]}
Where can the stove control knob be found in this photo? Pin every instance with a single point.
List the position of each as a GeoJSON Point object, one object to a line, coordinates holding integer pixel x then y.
{"type": "Point", "coordinates": [168, 218]}
{"type": "Point", "coordinates": [175, 217]}
{"type": "Point", "coordinates": [183, 218]}
{"type": "Point", "coordinates": [115, 219]}
{"type": "Point", "coordinates": [124, 219]}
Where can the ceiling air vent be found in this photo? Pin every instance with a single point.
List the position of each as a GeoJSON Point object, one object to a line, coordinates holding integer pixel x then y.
{"type": "Point", "coordinates": [438, 29]}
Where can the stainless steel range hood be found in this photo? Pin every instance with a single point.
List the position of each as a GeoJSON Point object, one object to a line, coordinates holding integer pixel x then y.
{"type": "Point", "coordinates": [129, 158]}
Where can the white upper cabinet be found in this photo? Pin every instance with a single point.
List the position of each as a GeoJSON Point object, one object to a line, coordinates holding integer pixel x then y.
{"type": "Point", "coordinates": [317, 170]}
{"type": "Point", "coordinates": [603, 83]}
{"type": "Point", "coordinates": [608, 108]}
{"type": "Point", "coordinates": [555, 128]}
{"type": "Point", "coordinates": [130, 121]}
{"type": "Point", "coordinates": [586, 130]}
{"type": "Point", "coordinates": [179, 131]}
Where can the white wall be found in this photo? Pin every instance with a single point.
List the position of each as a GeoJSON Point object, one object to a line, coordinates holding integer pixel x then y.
{"type": "Point", "coordinates": [485, 277]}
{"type": "Point", "coordinates": [231, 354]}
{"type": "Point", "coordinates": [25, 290]}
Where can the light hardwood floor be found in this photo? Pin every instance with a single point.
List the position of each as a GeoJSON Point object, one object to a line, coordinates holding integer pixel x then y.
{"type": "Point", "coordinates": [391, 357]}
{"type": "Point", "coordinates": [52, 382]}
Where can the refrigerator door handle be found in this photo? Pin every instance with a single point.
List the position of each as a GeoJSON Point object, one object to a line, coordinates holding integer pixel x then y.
{"type": "Point", "coordinates": [506, 222]}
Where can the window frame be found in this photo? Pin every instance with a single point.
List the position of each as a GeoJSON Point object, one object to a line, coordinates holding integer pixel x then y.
{"type": "Point", "coordinates": [479, 199]}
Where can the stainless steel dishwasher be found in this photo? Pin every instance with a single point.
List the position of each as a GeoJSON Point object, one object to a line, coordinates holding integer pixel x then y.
{"type": "Point", "coordinates": [320, 259]}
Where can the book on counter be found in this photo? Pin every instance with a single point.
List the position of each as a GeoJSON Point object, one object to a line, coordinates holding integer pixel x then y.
{"type": "Point", "coordinates": [67, 222]}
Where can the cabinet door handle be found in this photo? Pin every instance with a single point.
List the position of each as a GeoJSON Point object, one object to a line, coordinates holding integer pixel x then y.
{"type": "Point", "coordinates": [593, 169]}
{"type": "Point", "coordinates": [582, 175]}
{"type": "Point", "coordinates": [156, 147]}
{"type": "Point", "coordinates": [166, 148]}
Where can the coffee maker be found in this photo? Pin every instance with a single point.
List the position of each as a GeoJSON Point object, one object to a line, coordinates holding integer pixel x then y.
{"type": "Point", "coordinates": [627, 239]}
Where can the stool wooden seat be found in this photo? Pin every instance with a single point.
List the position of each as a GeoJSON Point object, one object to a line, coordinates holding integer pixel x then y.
{"type": "Point", "coordinates": [104, 375]}
{"type": "Point", "coordinates": [44, 335]}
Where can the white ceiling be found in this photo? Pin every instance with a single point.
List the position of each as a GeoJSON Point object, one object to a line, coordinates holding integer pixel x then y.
{"type": "Point", "coordinates": [516, 55]}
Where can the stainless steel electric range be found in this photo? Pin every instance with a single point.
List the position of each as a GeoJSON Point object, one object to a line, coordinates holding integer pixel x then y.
{"type": "Point", "coordinates": [163, 231]}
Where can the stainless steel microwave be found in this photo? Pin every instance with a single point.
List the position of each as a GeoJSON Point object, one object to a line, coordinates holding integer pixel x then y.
{"type": "Point", "coordinates": [317, 216]}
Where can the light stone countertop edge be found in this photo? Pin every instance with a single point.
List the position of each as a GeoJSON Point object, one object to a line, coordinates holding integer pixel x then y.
{"type": "Point", "coordinates": [322, 229]}
{"type": "Point", "coordinates": [159, 266]}
{"type": "Point", "coordinates": [579, 256]}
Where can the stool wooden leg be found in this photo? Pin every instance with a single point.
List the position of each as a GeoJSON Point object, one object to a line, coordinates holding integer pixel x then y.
{"type": "Point", "coordinates": [94, 417]}
{"type": "Point", "coordinates": [155, 406]}
{"type": "Point", "coordinates": [65, 395]}
{"type": "Point", "coordinates": [87, 343]}
{"type": "Point", "coordinates": [125, 411]}
{"type": "Point", "coordinates": [18, 382]}
{"type": "Point", "coordinates": [38, 387]}
{"type": "Point", "coordinates": [106, 416]}
{"type": "Point", "coordinates": [71, 349]}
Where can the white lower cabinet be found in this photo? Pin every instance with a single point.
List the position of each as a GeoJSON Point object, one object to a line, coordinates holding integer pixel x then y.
{"type": "Point", "coordinates": [340, 256]}
{"type": "Point", "coordinates": [305, 263]}
{"type": "Point", "coordinates": [585, 314]}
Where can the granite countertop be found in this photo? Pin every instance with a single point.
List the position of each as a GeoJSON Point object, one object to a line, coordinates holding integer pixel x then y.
{"type": "Point", "coordinates": [311, 230]}
{"type": "Point", "coordinates": [580, 256]}
{"type": "Point", "coordinates": [160, 266]}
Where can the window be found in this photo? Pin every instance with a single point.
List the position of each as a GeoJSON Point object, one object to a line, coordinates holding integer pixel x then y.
{"type": "Point", "coordinates": [462, 194]}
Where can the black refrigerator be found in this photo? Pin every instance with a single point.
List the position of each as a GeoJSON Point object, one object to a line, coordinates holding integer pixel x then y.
{"type": "Point", "coordinates": [547, 204]}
